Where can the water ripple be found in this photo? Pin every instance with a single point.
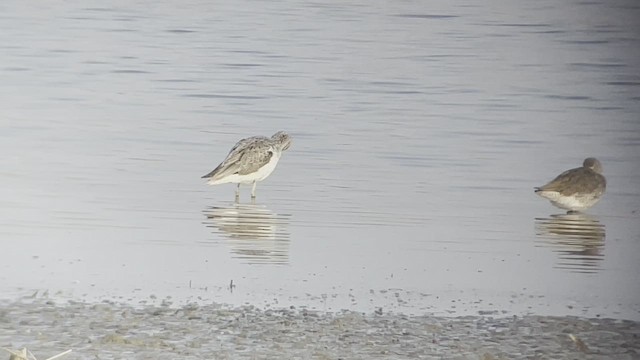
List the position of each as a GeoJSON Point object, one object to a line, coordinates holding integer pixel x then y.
{"type": "Point", "coordinates": [577, 238]}
{"type": "Point", "coordinates": [254, 233]}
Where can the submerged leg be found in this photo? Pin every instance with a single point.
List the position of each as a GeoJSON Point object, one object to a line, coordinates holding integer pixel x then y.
{"type": "Point", "coordinates": [238, 193]}
{"type": "Point", "coordinates": [253, 190]}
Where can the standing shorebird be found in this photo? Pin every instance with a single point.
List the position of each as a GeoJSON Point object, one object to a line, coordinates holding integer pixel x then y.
{"type": "Point", "coordinates": [576, 189]}
{"type": "Point", "coordinates": [249, 161]}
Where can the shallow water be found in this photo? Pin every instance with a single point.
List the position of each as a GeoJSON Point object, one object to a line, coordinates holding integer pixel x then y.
{"type": "Point", "coordinates": [419, 132]}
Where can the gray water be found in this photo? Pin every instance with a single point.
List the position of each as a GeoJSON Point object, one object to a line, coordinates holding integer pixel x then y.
{"type": "Point", "coordinates": [419, 131]}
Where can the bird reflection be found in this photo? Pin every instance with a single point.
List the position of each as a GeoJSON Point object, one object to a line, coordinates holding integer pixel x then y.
{"type": "Point", "coordinates": [254, 233]}
{"type": "Point", "coordinates": [577, 238]}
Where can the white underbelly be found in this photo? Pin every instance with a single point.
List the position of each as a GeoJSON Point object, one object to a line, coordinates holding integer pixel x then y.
{"type": "Point", "coordinates": [572, 202]}
{"type": "Point", "coordinates": [261, 174]}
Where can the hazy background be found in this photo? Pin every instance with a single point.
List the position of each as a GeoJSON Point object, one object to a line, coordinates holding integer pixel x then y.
{"type": "Point", "coordinates": [419, 131]}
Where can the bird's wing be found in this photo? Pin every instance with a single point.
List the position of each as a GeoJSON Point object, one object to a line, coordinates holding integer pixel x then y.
{"type": "Point", "coordinates": [574, 180]}
{"type": "Point", "coordinates": [256, 156]}
{"type": "Point", "coordinates": [241, 158]}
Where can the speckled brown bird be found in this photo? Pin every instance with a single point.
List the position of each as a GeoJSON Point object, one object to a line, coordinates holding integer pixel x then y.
{"type": "Point", "coordinates": [250, 160]}
{"type": "Point", "coordinates": [576, 189]}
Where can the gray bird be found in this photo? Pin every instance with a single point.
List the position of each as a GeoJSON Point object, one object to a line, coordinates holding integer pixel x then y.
{"type": "Point", "coordinates": [576, 189]}
{"type": "Point", "coordinates": [249, 161]}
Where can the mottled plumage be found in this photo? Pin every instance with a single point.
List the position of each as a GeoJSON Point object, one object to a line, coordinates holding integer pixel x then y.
{"type": "Point", "coordinates": [576, 189]}
{"type": "Point", "coordinates": [250, 160]}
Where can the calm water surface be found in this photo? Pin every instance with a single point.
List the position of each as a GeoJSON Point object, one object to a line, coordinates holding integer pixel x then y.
{"type": "Point", "coordinates": [419, 133]}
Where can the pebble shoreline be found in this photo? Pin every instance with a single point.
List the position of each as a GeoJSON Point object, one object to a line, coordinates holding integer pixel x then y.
{"type": "Point", "coordinates": [110, 330]}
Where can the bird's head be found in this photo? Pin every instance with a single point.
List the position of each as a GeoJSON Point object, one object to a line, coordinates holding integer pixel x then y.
{"type": "Point", "coordinates": [283, 139]}
{"type": "Point", "coordinates": [593, 164]}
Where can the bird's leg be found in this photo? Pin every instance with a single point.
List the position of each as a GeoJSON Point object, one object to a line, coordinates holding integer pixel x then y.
{"type": "Point", "coordinates": [238, 193]}
{"type": "Point", "coordinates": [253, 190]}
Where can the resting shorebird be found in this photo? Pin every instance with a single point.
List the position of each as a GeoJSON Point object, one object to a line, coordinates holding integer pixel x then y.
{"type": "Point", "coordinates": [250, 160]}
{"type": "Point", "coordinates": [576, 189]}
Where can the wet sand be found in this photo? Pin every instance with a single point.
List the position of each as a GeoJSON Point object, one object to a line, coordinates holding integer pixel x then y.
{"type": "Point", "coordinates": [110, 330]}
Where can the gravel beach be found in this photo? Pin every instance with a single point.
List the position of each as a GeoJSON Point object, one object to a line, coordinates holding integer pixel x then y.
{"type": "Point", "coordinates": [110, 330]}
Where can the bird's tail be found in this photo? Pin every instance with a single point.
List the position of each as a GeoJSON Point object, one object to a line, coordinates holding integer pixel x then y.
{"type": "Point", "coordinates": [213, 173]}
{"type": "Point", "coordinates": [209, 175]}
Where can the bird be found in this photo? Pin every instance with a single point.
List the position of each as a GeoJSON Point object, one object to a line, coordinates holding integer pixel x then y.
{"type": "Point", "coordinates": [576, 189]}
{"type": "Point", "coordinates": [251, 160]}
